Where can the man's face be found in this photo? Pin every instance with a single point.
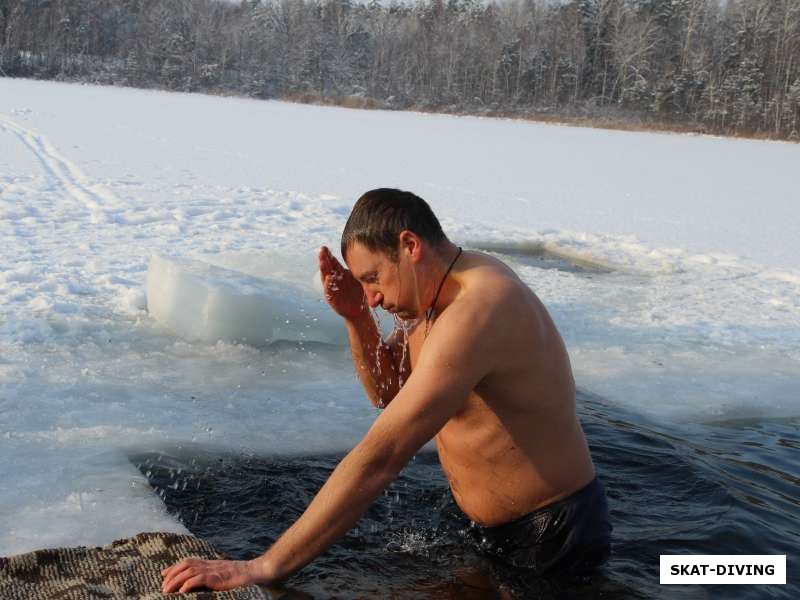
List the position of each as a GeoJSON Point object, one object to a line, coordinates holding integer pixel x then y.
{"type": "Point", "coordinates": [386, 283]}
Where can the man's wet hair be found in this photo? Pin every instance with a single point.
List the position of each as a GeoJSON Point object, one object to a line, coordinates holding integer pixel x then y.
{"type": "Point", "coordinates": [380, 215]}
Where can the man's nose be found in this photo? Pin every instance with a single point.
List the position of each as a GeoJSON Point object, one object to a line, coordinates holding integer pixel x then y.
{"type": "Point", "coordinates": [374, 299]}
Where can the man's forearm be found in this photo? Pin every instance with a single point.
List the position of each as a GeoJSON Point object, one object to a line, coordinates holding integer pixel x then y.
{"type": "Point", "coordinates": [350, 490]}
{"type": "Point", "coordinates": [373, 359]}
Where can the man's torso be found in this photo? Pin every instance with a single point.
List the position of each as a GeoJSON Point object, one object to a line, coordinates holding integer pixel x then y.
{"type": "Point", "coordinates": [516, 445]}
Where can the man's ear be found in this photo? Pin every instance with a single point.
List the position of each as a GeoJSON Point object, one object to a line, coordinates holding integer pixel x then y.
{"type": "Point", "coordinates": [411, 245]}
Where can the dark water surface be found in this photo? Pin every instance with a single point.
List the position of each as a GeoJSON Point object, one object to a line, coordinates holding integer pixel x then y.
{"type": "Point", "coordinates": [722, 488]}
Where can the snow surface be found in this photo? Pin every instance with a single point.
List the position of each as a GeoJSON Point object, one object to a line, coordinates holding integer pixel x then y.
{"type": "Point", "coordinates": [688, 307]}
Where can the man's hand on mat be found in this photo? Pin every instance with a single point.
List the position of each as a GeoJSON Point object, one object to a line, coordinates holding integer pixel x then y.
{"type": "Point", "coordinates": [342, 291]}
{"type": "Point", "coordinates": [193, 573]}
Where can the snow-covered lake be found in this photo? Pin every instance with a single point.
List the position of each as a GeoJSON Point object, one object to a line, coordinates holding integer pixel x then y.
{"type": "Point", "coordinates": [686, 308]}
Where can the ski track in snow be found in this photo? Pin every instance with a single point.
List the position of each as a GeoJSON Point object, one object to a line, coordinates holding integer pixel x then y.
{"type": "Point", "coordinates": [676, 329]}
{"type": "Point", "coordinates": [62, 173]}
{"type": "Point", "coordinates": [46, 217]}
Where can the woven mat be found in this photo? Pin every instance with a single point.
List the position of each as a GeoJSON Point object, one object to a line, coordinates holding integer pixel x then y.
{"type": "Point", "coordinates": [129, 568]}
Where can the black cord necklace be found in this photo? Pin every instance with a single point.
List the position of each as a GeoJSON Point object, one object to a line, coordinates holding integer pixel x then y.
{"type": "Point", "coordinates": [429, 312]}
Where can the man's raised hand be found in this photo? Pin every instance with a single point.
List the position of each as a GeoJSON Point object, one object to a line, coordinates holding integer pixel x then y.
{"type": "Point", "coordinates": [342, 291]}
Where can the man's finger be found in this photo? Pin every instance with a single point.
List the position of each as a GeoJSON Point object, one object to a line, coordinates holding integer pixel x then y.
{"type": "Point", "coordinates": [173, 567]}
{"type": "Point", "coordinates": [174, 581]}
{"type": "Point", "coordinates": [323, 260]}
{"type": "Point", "coordinates": [331, 261]}
{"type": "Point", "coordinates": [335, 262]}
{"type": "Point", "coordinates": [176, 568]}
{"type": "Point", "coordinates": [193, 582]}
{"type": "Point", "coordinates": [327, 262]}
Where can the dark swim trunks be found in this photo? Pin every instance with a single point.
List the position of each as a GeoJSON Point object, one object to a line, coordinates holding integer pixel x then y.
{"type": "Point", "coordinates": [571, 536]}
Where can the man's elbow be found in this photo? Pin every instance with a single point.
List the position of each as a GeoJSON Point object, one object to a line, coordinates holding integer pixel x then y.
{"type": "Point", "coordinates": [379, 462]}
{"type": "Point", "coordinates": [383, 397]}
{"type": "Point", "coordinates": [385, 391]}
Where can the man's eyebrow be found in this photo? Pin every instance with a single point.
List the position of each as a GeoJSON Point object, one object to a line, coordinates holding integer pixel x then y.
{"type": "Point", "coordinates": [367, 275]}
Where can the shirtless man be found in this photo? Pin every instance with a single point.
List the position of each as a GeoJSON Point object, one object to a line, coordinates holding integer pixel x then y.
{"type": "Point", "coordinates": [484, 372]}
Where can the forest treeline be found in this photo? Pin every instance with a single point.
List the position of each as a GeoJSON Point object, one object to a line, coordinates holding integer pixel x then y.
{"type": "Point", "coordinates": [724, 66]}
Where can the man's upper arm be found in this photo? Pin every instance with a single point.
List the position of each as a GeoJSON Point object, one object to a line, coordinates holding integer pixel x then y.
{"type": "Point", "coordinates": [401, 357]}
{"type": "Point", "coordinates": [454, 358]}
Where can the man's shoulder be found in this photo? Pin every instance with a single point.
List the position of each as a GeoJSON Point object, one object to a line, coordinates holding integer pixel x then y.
{"type": "Point", "coordinates": [491, 301]}
{"type": "Point", "coordinates": [500, 303]}
{"type": "Point", "coordinates": [495, 287]}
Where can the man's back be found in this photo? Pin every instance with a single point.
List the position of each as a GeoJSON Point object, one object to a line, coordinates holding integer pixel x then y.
{"type": "Point", "coordinates": [516, 445]}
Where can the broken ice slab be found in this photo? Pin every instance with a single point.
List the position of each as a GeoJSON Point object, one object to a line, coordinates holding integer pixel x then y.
{"type": "Point", "coordinates": [203, 302]}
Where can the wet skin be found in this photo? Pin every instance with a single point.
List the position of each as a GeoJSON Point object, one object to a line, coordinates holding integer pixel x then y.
{"type": "Point", "coordinates": [487, 377]}
{"type": "Point", "coordinates": [515, 444]}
